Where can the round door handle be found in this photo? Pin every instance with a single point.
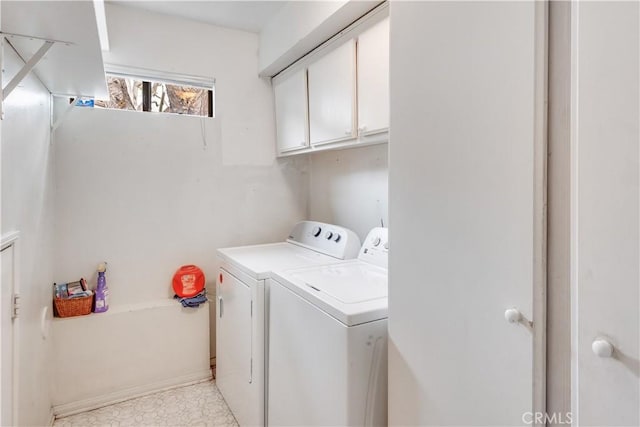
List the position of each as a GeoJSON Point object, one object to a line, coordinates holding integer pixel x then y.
{"type": "Point", "coordinates": [602, 347]}
{"type": "Point", "coordinates": [512, 315]}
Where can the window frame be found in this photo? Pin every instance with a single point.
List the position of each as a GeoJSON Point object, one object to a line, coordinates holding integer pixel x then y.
{"type": "Point", "coordinates": [148, 77]}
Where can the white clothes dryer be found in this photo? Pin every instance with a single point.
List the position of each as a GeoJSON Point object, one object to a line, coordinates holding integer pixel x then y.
{"type": "Point", "coordinates": [241, 310]}
{"type": "Point", "coordinates": [327, 359]}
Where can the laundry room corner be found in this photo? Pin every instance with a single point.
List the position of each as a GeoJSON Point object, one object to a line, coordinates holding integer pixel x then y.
{"type": "Point", "coordinates": [250, 213]}
{"type": "Point", "coordinates": [148, 193]}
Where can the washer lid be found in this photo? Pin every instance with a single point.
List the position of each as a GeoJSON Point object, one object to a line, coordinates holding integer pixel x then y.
{"type": "Point", "coordinates": [353, 292]}
{"type": "Point", "coordinates": [349, 284]}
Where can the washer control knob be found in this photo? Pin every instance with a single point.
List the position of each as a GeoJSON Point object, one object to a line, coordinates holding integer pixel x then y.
{"type": "Point", "coordinates": [316, 231]}
{"type": "Point", "coordinates": [337, 237]}
{"type": "Point", "coordinates": [386, 246]}
{"type": "Point", "coordinates": [602, 347]}
{"type": "Point", "coordinates": [328, 235]}
{"type": "Point", "coordinates": [376, 241]}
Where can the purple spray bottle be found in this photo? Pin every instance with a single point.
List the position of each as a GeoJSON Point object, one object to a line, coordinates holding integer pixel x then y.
{"type": "Point", "coordinates": [102, 292]}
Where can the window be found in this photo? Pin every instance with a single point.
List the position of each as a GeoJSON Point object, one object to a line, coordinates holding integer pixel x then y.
{"type": "Point", "coordinates": [156, 94]}
{"type": "Point", "coordinates": [168, 98]}
{"type": "Point", "coordinates": [124, 94]}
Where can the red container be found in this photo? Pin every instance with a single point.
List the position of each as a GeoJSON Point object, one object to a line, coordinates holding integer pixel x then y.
{"type": "Point", "coordinates": [188, 281]}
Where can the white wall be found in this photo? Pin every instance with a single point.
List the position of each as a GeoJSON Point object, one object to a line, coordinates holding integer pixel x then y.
{"type": "Point", "coordinates": [605, 216]}
{"type": "Point", "coordinates": [350, 188]}
{"type": "Point", "coordinates": [150, 192]}
{"type": "Point", "coordinates": [164, 347]}
{"type": "Point", "coordinates": [244, 104]}
{"type": "Point", "coordinates": [27, 206]}
{"type": "Point", "coordinates": [300, 26]}
{"type": "Point", "coordinates": [147, 193]}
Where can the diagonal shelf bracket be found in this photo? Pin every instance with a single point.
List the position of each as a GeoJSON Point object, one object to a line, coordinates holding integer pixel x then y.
{"type": "Point", "coordinates": [27, 67]}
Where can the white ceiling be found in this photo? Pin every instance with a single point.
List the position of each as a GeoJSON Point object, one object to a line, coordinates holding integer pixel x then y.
{"type": "Point", "coordinates": [243, 15]}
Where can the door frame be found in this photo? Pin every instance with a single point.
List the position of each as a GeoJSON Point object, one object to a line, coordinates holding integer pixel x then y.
{"type": "Point", "coordinates": [540, 194]}
{"type": "Point", "coordinates": [7, 241]}
{"type": "Point", "coordinates": [560, 200]}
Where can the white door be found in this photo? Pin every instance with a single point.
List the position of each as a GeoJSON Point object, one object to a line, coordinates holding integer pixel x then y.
{"type": "Point", "coordinates": [466, 211]}
{"type": "Point", "coordinates": [332, 95]}
{"type": "Point", "coordinates": [233, 344]}
{"type": "Point", "coordinates": [373, 79]}
{"type": "Point", "coordinates": [606, 256]}
{"type": "Point", "coordinates": [290, 92]}
{"type": "Point", "coordinates": [6, 341]}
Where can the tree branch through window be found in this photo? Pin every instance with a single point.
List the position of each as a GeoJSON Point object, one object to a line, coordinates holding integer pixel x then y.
{"type": "Point", "coordinates": [130, 94]}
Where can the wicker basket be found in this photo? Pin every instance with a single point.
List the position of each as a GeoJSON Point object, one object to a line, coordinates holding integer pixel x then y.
{"type": "Point", "coordinates": [69, 307]}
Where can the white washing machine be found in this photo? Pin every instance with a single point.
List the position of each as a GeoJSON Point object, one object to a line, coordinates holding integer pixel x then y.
{"type": "Point", "coordinates": [327, 359]}
{"type": "Point", "coordinates": [240, 292]}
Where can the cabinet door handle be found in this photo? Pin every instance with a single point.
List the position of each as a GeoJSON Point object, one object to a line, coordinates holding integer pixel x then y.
{"type": "Point", "coordinates": [361, 129]}
{"type": "Point", "coordinates": [512, 315]}
{"type": "Point", "coordinates": [220, 307]}
{"type": "Point", "coordinates": [348, 132]}
{"type": "Point", "coordinates": [602, 348]}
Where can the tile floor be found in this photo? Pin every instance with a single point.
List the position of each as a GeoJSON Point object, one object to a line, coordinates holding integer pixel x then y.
{"type": "Point", "coordinates": [196, 405]}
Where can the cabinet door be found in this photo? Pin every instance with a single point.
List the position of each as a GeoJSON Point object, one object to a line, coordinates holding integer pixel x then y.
{"type": "Point", "coordinates": [332, 96]}
{"type": "Point", "coordinates": [234, 337]}
{"type": "Point", "coordinates": [6, 337]}
{"type": "Point", "coordinates": [291, 111]}
{"type": "Point", "coordinates": [373, 79]}
{"type": "Point", "coordinates": [460, 97]}
{"type": "Point", "coordinates": [606, 283]}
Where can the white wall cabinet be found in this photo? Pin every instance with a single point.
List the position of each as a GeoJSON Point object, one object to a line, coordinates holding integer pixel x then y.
{"type": "Point", "coordinates": [373, 79]}
{"type": "Point", "coordinates": [338, 96]}
{"type": "Point", "coordinates": [332, 96]}
{"type": "Point", "coordinates": [291, 111]}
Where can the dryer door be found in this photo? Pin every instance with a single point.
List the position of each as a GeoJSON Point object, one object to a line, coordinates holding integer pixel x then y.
{"type": "Point", "coordinates": [233, 342]}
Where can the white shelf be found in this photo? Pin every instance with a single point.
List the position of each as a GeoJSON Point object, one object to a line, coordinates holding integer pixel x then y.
{"type": "Point", "coordinates": [131, 307]}
{"type": "Point", "coordinates": [73, 65]}
{"type": "Point", "coordinates": [361, 141]}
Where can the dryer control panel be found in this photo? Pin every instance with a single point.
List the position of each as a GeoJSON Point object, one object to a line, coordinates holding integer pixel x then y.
{"type": "Point", "coordinates": [329, 239]}
{"type": "Point", "coordinates": [375, 249]}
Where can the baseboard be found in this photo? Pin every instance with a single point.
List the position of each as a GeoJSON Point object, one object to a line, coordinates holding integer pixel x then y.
{"type": "Point", "coordinates": [212, 363]}
{"type": "Point", "coordinates": [67, 409]}
{"type": "Point", "coordinates": [52, 417]}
